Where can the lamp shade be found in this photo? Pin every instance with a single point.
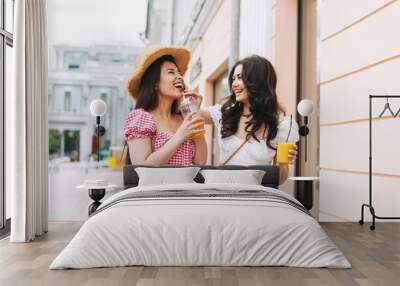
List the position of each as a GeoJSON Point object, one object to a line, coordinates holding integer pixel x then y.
{"type": "Point", "coordinates": [305, 107]}
{"type": "Point", "coordinates": [98, 107]}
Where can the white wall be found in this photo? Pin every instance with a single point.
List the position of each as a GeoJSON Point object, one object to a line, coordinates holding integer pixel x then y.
{"type": "Point", "coordinates": [359, 55]}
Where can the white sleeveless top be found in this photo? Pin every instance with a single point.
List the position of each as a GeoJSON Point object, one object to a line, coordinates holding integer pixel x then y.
{"type": "Point", "coordinates": [253, 152]}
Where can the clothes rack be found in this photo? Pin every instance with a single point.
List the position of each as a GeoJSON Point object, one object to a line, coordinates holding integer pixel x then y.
{"type": "Point", "coordinates": [370, 205]}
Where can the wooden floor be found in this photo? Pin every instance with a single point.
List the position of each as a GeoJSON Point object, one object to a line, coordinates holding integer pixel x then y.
{"type": "Point", "coordinates": [375, 256]}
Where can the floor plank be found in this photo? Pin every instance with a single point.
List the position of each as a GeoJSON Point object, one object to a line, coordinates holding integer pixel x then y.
{"type": "Point", "coordinates": [375, 257]}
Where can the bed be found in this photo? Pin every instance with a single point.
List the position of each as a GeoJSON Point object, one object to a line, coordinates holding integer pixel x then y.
{"type": "Point", "coordinates": [201, 224]}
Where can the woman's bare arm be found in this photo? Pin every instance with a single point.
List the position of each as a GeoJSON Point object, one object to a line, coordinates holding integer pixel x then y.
{"type": "Point", "coordinates": [140, 151]}
{"type": "Point", "coordinates": [284, 168]}
{"type": "Point", "coordinates": [200, 157]}
{"type": "Point", "coordinates": [283, 173]}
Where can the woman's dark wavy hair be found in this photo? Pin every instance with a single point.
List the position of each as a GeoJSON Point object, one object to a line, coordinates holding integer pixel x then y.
{"type": "Point", "coordinates": [147, 94]}
{"type": "Point", "coordinates": [259, 78]}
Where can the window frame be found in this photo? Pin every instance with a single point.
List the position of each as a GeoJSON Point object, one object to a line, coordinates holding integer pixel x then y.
{"type": "Point", "coordinates": [6, 39]}
{"type": "Point", "coordinates": [67, 101]}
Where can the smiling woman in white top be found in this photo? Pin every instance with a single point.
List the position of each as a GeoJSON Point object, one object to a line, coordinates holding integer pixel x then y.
{"type": "Point", "coordinates": [253, 152]}
{"type": "Point", "coordinates": [251, 122]}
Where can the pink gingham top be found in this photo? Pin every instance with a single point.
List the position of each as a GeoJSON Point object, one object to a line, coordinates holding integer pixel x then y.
{"type": "Point", "coordinates": [140, 124]}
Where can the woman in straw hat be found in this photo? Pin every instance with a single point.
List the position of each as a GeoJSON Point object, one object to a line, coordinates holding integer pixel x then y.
{"type": "Point", "coordinates": [251, 121]}
{"type": "Point", "coordinates": [155, 131]}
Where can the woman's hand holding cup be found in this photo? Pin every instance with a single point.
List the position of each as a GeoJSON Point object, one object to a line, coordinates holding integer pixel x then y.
{"type": "Point", "coordinates": [192, 125]}
{"type": "Point", "coordinates": [292, 154]}
{"type": "Point", "coordinates": [196, 96]}
{"type": "Point", "coordinates": [189, 105]}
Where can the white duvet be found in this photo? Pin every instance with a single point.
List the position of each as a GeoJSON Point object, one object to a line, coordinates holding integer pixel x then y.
{"type": "Point", "coordinates": [192, 231]}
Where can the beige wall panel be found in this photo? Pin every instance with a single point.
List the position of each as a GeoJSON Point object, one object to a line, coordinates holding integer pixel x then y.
{"type": "Point", "coordinates": [346, 146]}
{"type": "Point", "coordinates": [366, 43]}
{"type": "Point", "coordinates": [341, 196]}
{"type": "Point", "coordinates": [214, 50]}
{"type": "Point", "coordinates": [214, 46]}
{"type": "Point", "coordinates": [284, 46]}
{"type": "Point", "coordinates": [337, 14]}
{"type": "Point", "coordinates": [285, 53]}
{"type": "Point", "coordinates": [347, 99]}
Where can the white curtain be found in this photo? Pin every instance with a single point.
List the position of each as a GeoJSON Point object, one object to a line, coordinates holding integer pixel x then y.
{"type": "Point", "coordinates": [27, 123]}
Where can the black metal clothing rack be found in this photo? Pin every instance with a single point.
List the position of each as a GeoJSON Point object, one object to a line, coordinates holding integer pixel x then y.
{"type": "Point", "coordinates": [369, 205]}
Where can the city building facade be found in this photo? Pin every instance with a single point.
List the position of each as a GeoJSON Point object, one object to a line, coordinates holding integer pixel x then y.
{"type": "Point", "coordinates": [77, 75]}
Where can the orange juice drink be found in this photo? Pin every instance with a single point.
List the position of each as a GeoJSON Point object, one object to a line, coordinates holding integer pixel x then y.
{"type": "Point", "coordinates": [187, 105]}
{"type": "Point", "coordinates": [283, 152]}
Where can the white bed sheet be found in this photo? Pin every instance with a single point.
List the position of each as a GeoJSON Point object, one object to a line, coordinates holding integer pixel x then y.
{"type": "Point", "coordinates": [200, 231]}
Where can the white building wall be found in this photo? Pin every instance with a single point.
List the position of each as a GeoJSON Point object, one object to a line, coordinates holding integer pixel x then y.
{"type": "Point", "coordinates": [182, 18]}
{"type": "Point", "coordinates": [159, 23]}
{"type": "Point", "coordinates": [59, 98]}
{"type": "Point", "coordinates": [103, 72]}
{"type": "Point", "coordinates": [255, 28]}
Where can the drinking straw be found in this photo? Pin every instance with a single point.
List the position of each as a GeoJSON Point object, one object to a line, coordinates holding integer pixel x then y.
{"type": "Point", "coordinates": [290, 129]}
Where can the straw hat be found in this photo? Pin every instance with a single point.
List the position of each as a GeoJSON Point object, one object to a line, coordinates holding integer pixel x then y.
{"type": "Point", "coordinates": [149, 56]}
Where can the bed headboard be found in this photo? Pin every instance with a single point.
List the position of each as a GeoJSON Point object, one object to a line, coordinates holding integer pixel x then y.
{"type": "Point", "coordinates": [270, 179]}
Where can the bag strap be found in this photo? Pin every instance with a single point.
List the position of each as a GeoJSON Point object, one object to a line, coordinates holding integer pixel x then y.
{"type": "Point", "coordinates": [234, 152]}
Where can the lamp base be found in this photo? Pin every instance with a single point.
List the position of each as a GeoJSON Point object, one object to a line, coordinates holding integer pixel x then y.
{"type": "Point", "coordinates": [304, 193]}
{"type": "Point", "coordinates": [304, 190]}
{"type": "Point", "coordinates": [96, 195]}
{"type": "Point", "coordinates": [303, 130]}
{"type": "Point", "coordinates": [100, 130]}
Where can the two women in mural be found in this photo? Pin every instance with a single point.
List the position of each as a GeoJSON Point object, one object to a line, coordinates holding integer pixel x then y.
{"type": "Point", "coordinates": [250, 122]}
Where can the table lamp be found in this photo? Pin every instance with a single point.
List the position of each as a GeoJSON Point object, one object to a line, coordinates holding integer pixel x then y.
{"type": "Point", "coordinates": [305, 108]}
{"type": "Point", "coordinates": [98, 108]}
{"type": "Point", "coordinates": [304, 185]}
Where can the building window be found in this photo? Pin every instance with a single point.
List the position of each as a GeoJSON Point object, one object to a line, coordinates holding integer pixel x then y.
{"type": "Point", "coordinates": [73, 66]}
{"type": "Point", "coordinates": [106, 58]}
{"type": "Point", "coordinates": [6, 44]}
{"type": "Point", "coordinates": [71, 144]}
{"type": "Point", "coordinates": [54, 143]}
{"type": "Point", "coordinates": [103, 97]}
{"type": "Point", "coordinates": [74, 60]}
{"type": "Point", "coordinates": [9, 15]}
{"type": "Point", "coordinates": [50, 102]}
{"type": "Point", "coordinates": [67, 101]}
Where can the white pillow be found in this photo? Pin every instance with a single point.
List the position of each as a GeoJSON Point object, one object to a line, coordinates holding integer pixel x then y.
{"type": "Point", "coordinates": [249, 177]}
{"type": "Point", "coordinates": [164, 176]}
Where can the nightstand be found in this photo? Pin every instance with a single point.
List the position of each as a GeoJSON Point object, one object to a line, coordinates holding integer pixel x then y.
{"type": "Point", "coordinates": [304, 190]}
{"type": "Point", "coordinates": [96, 190]}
